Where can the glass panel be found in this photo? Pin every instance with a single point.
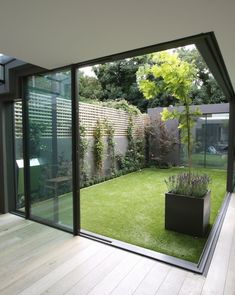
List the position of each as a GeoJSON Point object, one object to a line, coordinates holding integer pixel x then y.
{"type": "Point", "coordinates": [217, 140]}
{"type": "Point", "coordinates": [19, 165]}
{"type": "Point", "coordinates": [50, 147]}
{"type": "Point", "coordinates": [210, 142]}
{"type": "Point", "coordinates": [199, 132]}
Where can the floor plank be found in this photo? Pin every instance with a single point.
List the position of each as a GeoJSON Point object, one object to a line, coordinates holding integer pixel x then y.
{"type": "Point", "coordinates": [192, 285]}
{"type": "Point", "coordinates": [78, 273]}
{"type": "Point", "coordinates": [216, 276]}
{"type": "Point", "coordinates": [10, 229]}
{"type": "Point", "coordinates": [131, 282]}
{"type": "Point", "coordinates": [57, 274]}
{"type": "Point", "coordinates": [172, 283]}
{"type": "Point", "coordinates": [45, 264]}
{"type": "Point", "coordinates": [153, 280]}
{"type": "Point", "coordinates": [111, 280]}
{"type": "Point", "coordinates": [229, 288]}
{"type": "Point", "coordinates": [28, 242]}
{"type": "Point", "coordinates": [85, 285]}
{"type": "Point", "coordinates": [36, 259]}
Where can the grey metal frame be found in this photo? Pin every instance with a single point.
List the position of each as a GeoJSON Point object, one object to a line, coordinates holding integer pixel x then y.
{"type": "Point", "coordinates": [75, 166]}
{"type": "Point", "coordinates": [231, 146]}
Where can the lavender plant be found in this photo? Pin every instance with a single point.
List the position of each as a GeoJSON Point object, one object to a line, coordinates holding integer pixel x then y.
{"type": "Point", "coordinates": [189, 184]}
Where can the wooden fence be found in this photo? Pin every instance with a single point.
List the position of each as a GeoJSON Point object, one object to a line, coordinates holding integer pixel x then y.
{"type": "Point", "coordinates": [89, 114]}
{"type": "Point", "coordinates": [41, 111]}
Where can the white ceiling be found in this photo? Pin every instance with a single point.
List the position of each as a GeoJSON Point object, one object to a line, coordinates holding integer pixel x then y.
{"type": "Point", "coordinates": [54, 33]}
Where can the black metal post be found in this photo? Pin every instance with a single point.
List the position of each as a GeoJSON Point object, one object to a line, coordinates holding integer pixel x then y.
{"type": "Point", "coordinates": [231, 144]}
{"type": "Point", "coordinates": [75, 155]}
{"type": "Point", "coordinates": [54, 147]}
{"type": "Point", "coordinates": [205, 140]}
{"type": "Point", "coordinates": [25, 119]}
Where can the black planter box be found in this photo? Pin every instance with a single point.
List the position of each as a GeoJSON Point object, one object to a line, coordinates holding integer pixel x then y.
{"type": "Point", "coordinates": [188, 215]}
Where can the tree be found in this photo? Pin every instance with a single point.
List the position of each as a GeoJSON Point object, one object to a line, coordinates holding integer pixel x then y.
{"type": "Point", "coordinates": [169, 74]}
{"type": "Point", "coordinates": [205, 89]}
{"type": "Point", "coordinates": [89, 88]}
{"type": "Point", "coordinates": [118, 81]}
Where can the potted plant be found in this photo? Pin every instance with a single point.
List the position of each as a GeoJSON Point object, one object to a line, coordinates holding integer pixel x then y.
{"type": "Point", "coordinates": [187, 204]}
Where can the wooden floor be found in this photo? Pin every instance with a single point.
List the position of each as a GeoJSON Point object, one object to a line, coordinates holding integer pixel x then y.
{"type": "Point", "coordinates": [36, 259]}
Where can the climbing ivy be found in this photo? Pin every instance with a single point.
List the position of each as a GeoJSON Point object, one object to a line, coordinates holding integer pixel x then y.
{"type": "Point", "coordinates": [140, 149]}
{"type": "Point", "coordinates": [135, 154]}
{"type": "Point", "coordinates": [98, 134]}
{"type": "Point", "coordinates": [111, 145]}
{"type": "Point", "coordinates": [83, 147]}
{"type": "Point", "coordinates": [130, 137]}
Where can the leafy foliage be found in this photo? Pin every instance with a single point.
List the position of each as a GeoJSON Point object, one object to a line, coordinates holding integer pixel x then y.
{"type": "Point", "coordinates": [98, 146]}
{"type": "Point", "coordinates": [174, 77]}
{"type": "Point", "coordinates": [122, 105]}
{"type": "Point", "coordinates": [36, 130]}
{"type": "Point", "coordinates": [205, 89]}
{"type": "Point", "coordinates": [167, 74]}
{"type": "Point", "coordinates": [135, 154]}
{"type": "Point", "coordinates": [116, 104]}
{"type": "Point", "coordinates": [89, 88]}
{"type": "Point", "coordinates": [140, 146]}
{"type": "Point", "coordinates": [187, 119]}
{"type": "Point", "coordinates": [118, 81]}
{"type": "Point", "coordinates": [163, 142]}
{"type": "Point", "coordinates": [188, 184]}
{"type": "Point", "coordinates": [130, 136]}
{"type": "Point", "coordinates": [83, 147]}
{"type": "Point", "coordinates": [111, 145]}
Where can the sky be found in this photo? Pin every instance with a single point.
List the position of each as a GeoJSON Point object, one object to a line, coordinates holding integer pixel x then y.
{"type": "Point", "coordinates": [88, 71]}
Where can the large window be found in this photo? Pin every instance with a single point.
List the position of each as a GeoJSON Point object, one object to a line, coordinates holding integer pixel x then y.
{"type": "Point", "coordinates": [210, 141]}
{"type": "Point", "coordinates": [50, 147]}
{"type": "Point", "coordinates": [217, 140]}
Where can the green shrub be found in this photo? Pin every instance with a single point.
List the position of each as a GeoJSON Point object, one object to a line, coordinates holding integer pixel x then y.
{"type": "Point", "coordinates": [188, 184]}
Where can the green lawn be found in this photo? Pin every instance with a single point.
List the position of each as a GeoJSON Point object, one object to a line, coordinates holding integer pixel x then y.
{"type": "Point", "coordinates": [130, 208]}
{"type": "Point", "coordinates": [214, 161]}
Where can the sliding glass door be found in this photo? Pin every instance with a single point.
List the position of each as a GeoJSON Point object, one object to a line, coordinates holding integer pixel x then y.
{"type": "Point", "coordinates": [49, 143]}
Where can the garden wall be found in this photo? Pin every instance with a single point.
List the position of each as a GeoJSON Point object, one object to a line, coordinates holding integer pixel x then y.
{"type": "Point", "coordinates": [41, 111]}
{"type": "Point", "coordinates": [89, 114]}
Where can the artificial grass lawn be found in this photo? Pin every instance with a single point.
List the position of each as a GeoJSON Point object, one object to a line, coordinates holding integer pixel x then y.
{"type": "Point", "coordinates": [213, 161]}
{"type": "Point", "coordinates": [130, 208]}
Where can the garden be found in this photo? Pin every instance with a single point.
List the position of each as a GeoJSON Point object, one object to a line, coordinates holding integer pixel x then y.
{"type": "Point", "coordinates": [134, 208]}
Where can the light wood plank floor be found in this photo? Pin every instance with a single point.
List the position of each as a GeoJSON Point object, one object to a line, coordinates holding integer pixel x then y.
{"type": "Point", "coordinates": [36, 259]}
